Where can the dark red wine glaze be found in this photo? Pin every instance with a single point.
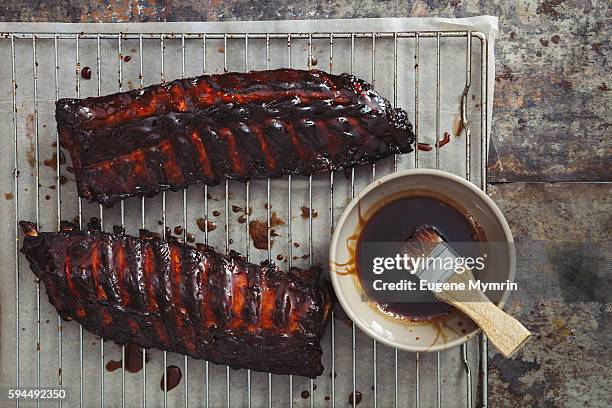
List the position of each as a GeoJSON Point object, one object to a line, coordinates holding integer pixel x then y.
{"type": "Point", "coordinates": [394, 222]}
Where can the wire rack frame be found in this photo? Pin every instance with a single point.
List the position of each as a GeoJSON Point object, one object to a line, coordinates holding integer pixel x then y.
{"type": "Point", "coordinates": [204, 38]}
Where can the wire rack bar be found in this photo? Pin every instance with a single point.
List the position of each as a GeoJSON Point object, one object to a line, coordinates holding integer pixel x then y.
{"type": "Point", "coordinates": [253, 36]}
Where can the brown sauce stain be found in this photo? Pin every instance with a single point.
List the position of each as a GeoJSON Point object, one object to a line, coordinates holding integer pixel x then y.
{"type": "Point", "coordinates": [237, 209]}
{"type": "Point", "coordinates": [275, 220]}
{"type": "Point", "coordinates": [259, 234]}
{"type": "Point", "coordinates": [113, 365]}
{"type": "Point", "coordinates": [133, 358]}
{"type": "Point", "coordinates": [444, 141]}
{"type": "Point", "coordinates": [307, 212]}
{"type": "Point", "coordinates": [356, 399]}
{"type": "Point", "coordinates": [86, 73]}
{"type": "Point", "coordinates": [206, 225]}
{"type": "Point", "coordinates": [173, 378]}
{"type": "Point", "coordinates": [216, 213]}
{"type": "Point", "coordinates": [52, 161]}
{"type": "Point", "coordinates": [258, 230]}
{"type": "Point", "coordinates": [424, 147]}
{"type": "Point", "coordinates": [8, 196]}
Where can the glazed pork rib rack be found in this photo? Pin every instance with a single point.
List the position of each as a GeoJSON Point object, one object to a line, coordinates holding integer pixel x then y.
{"type": "Point", "coordinates": [228, 126]}
{"type": "Point", "coordinates": [176, 297]}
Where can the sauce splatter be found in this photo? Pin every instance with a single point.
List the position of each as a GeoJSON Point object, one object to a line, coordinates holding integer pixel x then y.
{"type": "Point", "coordinates": [173, 377]}
{"type": "Point", "coordinates": [305, 394]}
{"type": "Point", "coordinates": [178, 230]}
{"type": "Point", "coordinates": [259, 234]}
{"type": "Point", "coordinates": [8, 196]}
{"type": "Point", "coordinates": [127, 58]}
{"type": "Point", "coordinates": [425, 147]}
{"type": "Point", "coordinates": [133, 358]}
{"type": "Point", "coordinates": [275, 220]}
{"type": "Point", "coordinates": [216, 213]}
{"type": "Point", "coordinates": [52, 162]}
{"type": "Point", "coordinates": [205, 225]}
{"type": "Point", "coordinates": [86, 73]}
{"type": "Point", "coordinates": [357, 398]}
{"type": "Point", "coordinates": [307, 212]}
{"type": "Point", "coordinates": [113, 365]}
{"type": "Point", "coordinates": [445, 140]}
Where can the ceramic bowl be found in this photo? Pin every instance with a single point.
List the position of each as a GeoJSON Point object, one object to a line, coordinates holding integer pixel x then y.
{"type": "Point", "coordinates": [440, 333]}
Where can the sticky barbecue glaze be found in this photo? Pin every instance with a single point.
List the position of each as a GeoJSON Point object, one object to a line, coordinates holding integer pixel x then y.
{"type": "Point", "coordinates": [228, 126]}
{"type": "Point", "coordinates": [175, 297]}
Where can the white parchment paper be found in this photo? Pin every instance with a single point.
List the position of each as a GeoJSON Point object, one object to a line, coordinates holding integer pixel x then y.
{"type": "Point", "coordinates": [29, 142]}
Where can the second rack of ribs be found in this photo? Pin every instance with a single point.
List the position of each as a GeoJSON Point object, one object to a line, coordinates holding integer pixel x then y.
{"type": "Point", "coordinates": [228, 126]}
{"type": "Point", "coordinates": [172, 296]}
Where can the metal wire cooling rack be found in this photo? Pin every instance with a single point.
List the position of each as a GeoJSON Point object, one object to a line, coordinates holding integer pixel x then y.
{"type": "Point", "coordinates": [40, 350]}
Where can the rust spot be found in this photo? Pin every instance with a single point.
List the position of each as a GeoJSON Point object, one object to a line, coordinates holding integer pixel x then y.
{"type": "Point", "coordinates": [597, 48]}
{"type": "Point", "coordinates": [549, 7]}
{"type": "Point", "coordinates": [505, 74]}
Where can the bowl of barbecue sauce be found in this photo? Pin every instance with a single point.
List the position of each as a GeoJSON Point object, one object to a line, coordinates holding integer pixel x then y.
{"type": "Point", "coordinates": [380, 296]}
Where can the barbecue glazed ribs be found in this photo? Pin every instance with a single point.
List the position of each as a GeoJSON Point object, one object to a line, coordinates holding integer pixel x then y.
{"type": "Point", "coordinates": [229, 126]}
{"type": "Point", "coordinates": [175, 297]}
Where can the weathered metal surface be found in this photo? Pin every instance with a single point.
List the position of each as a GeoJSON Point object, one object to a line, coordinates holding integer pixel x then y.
{"type": "Point", "coordinates": [564, 254]}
